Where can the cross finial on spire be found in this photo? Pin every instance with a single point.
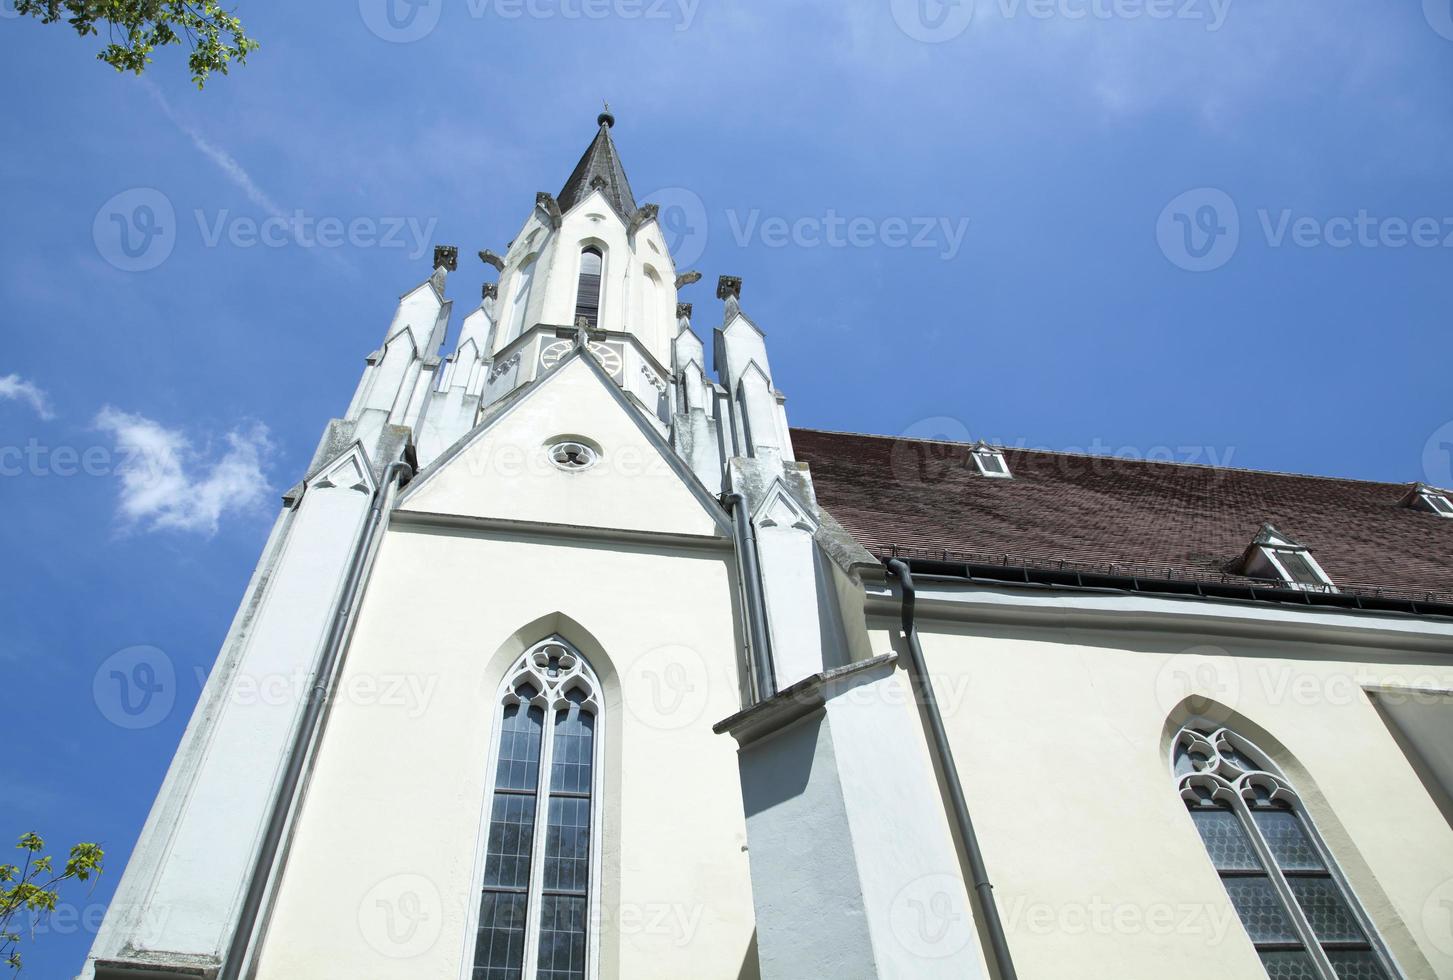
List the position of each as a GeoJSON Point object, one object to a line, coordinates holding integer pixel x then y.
{"type": "Point", "coordinates": [606, 119]}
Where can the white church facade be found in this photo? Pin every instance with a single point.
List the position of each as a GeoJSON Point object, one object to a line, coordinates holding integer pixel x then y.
{"type": "Point", "coordinates": [614, 675]}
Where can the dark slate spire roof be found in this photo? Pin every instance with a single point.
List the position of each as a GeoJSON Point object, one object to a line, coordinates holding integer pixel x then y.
{"type": "Point", "coordinates": [601, 164]}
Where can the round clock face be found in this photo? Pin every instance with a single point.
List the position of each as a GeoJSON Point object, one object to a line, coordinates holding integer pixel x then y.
{"type": "Point", "coordinates": [609, 357]}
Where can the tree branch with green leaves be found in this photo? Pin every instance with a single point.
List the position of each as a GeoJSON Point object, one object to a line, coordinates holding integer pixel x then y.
{"type": "Point", "coordinates": [31, 889]}
{"type": "Point", "coordinates": [136, 28]}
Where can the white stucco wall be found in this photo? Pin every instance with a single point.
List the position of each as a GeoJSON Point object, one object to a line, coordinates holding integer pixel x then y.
{"type": "Point", "coordinates": [393, 815]}
{"type": "Point", "coordinates": [1061, 734]}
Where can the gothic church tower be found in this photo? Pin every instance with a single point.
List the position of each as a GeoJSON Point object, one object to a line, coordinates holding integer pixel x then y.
{"type": "Point", "coordinates": [513, 594]}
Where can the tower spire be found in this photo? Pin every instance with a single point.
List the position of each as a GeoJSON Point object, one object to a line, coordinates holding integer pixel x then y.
{"type": "Point", "coordinates": [601, 169]}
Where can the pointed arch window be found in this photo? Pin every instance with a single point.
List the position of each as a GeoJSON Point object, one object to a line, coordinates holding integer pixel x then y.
{"type": "Point", "coordinates": [539, 884]}
{"type": "Point", "coordinates": [1282, 880]}
{"type": "Point", "coordinates": [587, 297]}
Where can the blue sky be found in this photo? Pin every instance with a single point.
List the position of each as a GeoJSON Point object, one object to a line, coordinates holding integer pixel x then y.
{"type": "Point", "coordinates": [1211, 231]}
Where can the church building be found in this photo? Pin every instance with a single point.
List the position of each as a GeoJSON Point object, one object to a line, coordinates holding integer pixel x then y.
{"type": "Point", "coordinates": [584, 664]}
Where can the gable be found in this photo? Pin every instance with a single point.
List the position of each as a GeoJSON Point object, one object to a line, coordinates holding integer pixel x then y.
{"type": "Point", "coordinates": [503, 470]}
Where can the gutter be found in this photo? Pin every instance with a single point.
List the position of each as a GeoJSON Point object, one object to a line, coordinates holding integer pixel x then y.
{"type": "Point", "coordinates": [958, 805]}
{"type": "Point", "coordinates": [365, 550]}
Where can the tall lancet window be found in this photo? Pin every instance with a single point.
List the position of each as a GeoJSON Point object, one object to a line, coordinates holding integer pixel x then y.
{"type": "Point", "coordinates": [587, 297]}
{"type": "Point", "coordinates": [539, 885]}
{"type": "Point", "coordinates": [1283, 882]}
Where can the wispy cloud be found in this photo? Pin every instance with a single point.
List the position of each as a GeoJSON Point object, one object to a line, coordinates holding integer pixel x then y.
{"type": "Point", "coordinates": [15, 388]}
{"type": "Point", "coordinates": [235, 172]}
{"type": "Point", "coordinates": [225, 162]}
{"type": "Point", "coordinates": [167, 486]}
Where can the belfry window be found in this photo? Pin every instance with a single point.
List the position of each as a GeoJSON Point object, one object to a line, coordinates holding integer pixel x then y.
{"type": "Point", "coordinates": [539, 888]}
{"type": "Point", "coordinates": [587, 297]}
{"type": "Point", "coordinates": [1282, 881]}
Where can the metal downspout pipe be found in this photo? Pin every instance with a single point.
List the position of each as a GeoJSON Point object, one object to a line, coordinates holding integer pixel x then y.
{"type": "Point", "coordinates": [758, 638]}
{"type": "Point", "coordinates": [340, 628]}
{"type": "Point", "coordinates": [938, 739]}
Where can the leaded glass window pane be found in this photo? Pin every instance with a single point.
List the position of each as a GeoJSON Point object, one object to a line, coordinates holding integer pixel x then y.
{"type": "Point", "coordinates": [1288, 840]}
{"type": "Point", "coordinates": [574, 752]}
{"type": "Point", "coordinates": [1326, 910]}
{"type": "Point", "coordinates": [562, 938]}
{"type": "Point", "coordinates": [1261, 910]}
{"type": "Point", "coordinates": [1289, 965]}
{"type": "Point", "coordinates": [511, 836]}
{"type": "Point", "coordinates": [567, 845]}
{"type": "Point", "coordinates": [519, 747]}
{"type": "Point", "coordinates": [1226, 840]}
{"type": "Point", "coordinates": [1357, 966]}
{"type": "Point", "coordinates": [499, 952]}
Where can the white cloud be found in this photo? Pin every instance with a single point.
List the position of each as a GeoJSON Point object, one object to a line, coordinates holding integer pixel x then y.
{"type": "Point", "coordinates": [16, 388]}
{"type": "Point", "coordinates": [166, 485]}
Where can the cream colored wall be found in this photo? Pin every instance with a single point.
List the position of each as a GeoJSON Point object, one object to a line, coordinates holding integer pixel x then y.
{"type": "Point", "coordinates": [395, 805]}
{"type": "Point", "coordinates": [1060, 739]}
{"type": "Point", "coordinates": [505, 473]}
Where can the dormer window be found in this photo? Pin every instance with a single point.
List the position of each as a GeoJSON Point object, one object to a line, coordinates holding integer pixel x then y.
{"type": "Point", "coordinates": [1276, 556]}
{"type": "Point", "coordinates": [991, 462]}
{"type": "Point", "coordinates": [1424, 497]}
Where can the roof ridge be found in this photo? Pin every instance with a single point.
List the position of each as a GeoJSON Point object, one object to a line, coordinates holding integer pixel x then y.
{"type": "Point", "coordinates": [1116, 459]}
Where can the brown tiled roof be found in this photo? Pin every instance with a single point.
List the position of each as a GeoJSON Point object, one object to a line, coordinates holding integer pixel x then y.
{"type": "Point", "coordinates": [924, 499]}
